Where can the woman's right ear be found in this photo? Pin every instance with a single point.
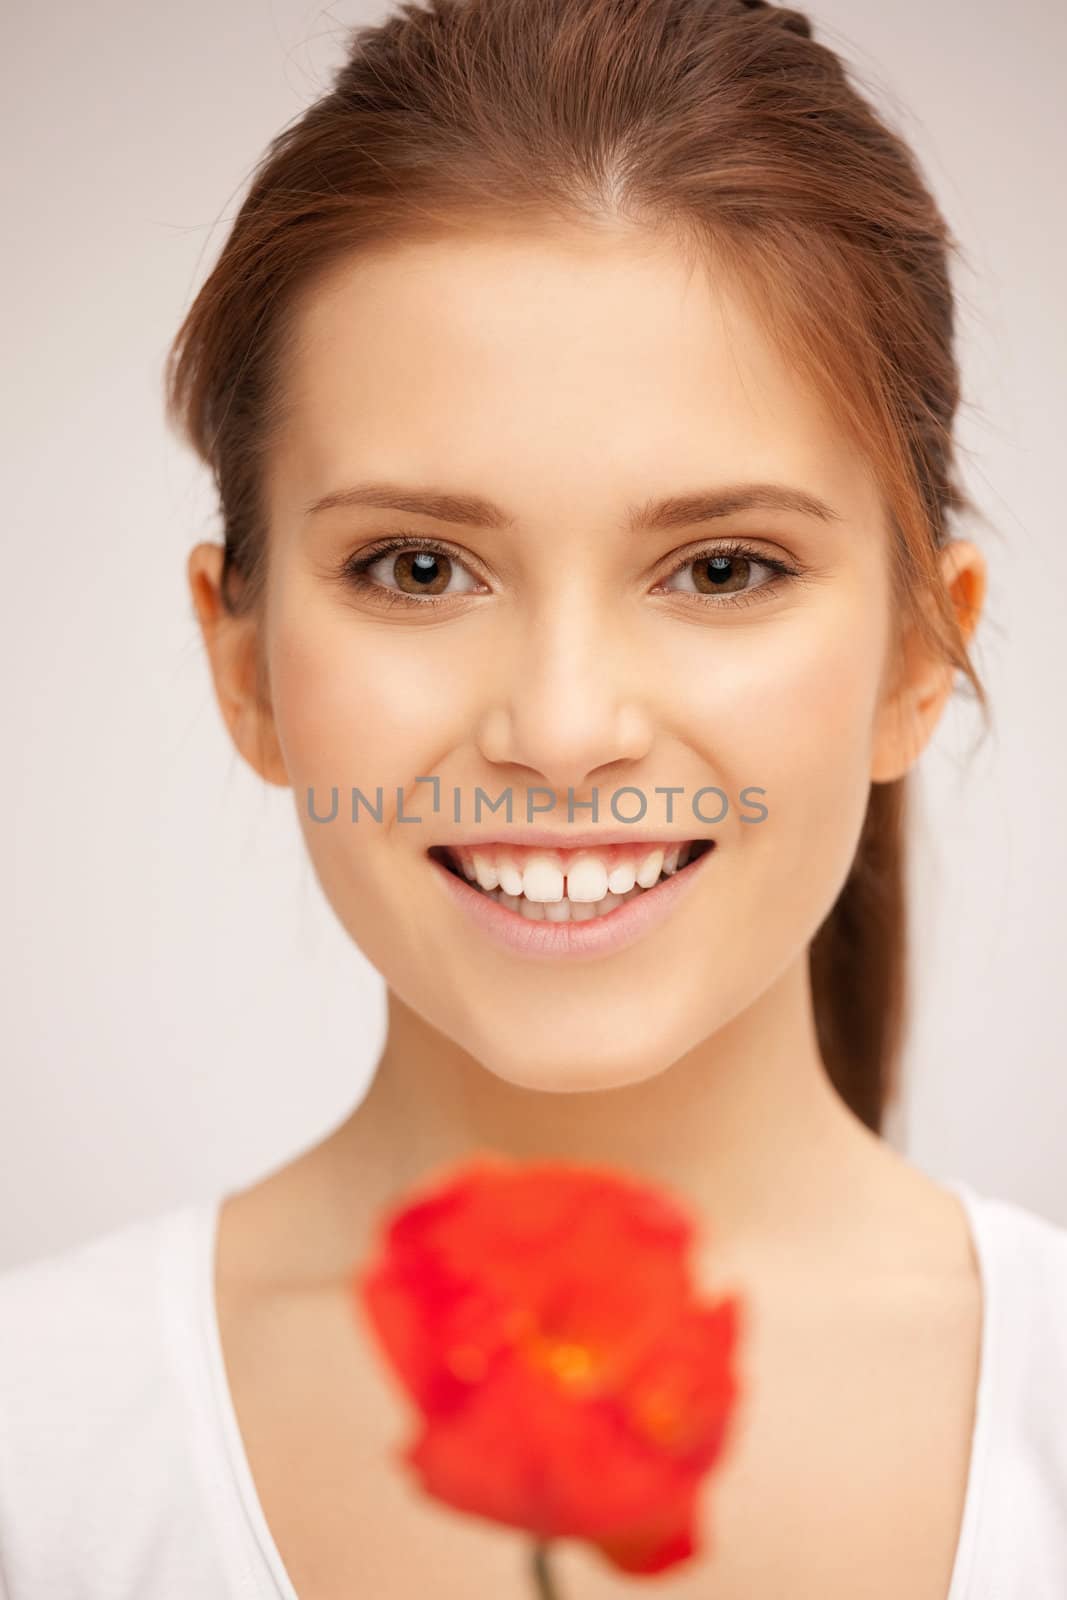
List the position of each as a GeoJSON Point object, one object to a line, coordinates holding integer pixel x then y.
{"type": "Point", "coordinates": [232, 643]}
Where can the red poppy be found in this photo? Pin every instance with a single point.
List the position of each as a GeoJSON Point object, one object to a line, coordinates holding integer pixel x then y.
{"type": "Point", "coordinates": [542, 1319]}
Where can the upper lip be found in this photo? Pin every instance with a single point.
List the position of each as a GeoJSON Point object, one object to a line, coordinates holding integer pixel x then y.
{"type": "Point", "coordinates": [546, 839]}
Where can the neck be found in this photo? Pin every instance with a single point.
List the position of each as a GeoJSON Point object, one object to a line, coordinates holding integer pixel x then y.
{"type": "Point", "coordinates": [746, 1128]}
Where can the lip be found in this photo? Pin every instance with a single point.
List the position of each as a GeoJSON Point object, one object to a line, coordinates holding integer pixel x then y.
{"type": "Point", "coordinates": [548, 941]}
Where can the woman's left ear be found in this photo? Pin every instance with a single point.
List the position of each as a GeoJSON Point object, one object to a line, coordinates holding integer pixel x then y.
{"type": "Point", "coordinates": [924, 679]}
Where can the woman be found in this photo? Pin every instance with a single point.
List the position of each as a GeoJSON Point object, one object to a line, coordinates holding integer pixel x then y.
{"type": "Point", "coordinates": [578, 379]}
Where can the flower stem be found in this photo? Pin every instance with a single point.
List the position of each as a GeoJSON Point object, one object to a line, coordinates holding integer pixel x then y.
{"type": "Point", "coordinates": [546, 1589]}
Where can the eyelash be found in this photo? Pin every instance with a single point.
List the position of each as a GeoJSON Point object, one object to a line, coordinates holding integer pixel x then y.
{"type": "Point", "coordinates": [353, 572]}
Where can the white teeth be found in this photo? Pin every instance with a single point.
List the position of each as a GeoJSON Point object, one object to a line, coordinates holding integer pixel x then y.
{"type": "Point", "coordinates": [542, 878]}
{"type": "Point", "coordinates": [485, 872]}
{"type": "Point", "coordinates": [622, 879]}
{"type": "Point", "coordinates": [564, 909]}
{"type": "Point", "coordinates": [587, 880]}
{"type": "Point", "coordinates": [540, 890]}
{"type": "Point", "coordinates": [650, 868]}
{"type": "Point", "coordinates": [510, 876]}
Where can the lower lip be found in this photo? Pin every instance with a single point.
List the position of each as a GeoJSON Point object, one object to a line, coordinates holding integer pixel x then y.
{"type": "Point", "coordinates": [600, 936]}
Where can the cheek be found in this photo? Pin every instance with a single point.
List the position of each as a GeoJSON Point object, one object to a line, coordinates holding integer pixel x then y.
{"type": "Point", "coordinates": [790, 708]}
{"type": "Point", "coordinates": [357, 702]}
{"type": "Point", "coordinates": [795, 696]}
{"type": "Point", "coordinates": [367, 705]}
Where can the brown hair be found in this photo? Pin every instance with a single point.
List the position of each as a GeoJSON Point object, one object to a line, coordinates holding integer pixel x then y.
{"type": "Point", "coordinates": [722, 122]}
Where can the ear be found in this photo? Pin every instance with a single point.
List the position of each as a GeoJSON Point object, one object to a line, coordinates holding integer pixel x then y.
{"type": "Point", "coordinates": [923, 682]}
{"type": "Point", "coordinates": [231, 644]}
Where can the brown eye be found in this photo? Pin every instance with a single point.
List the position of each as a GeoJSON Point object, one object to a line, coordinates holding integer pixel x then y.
{"type": "Point", "coordinates": [405, 571]}
{"type": "Point", "coordinates": [721, 574]}
{"type": "Point", "coordinates": [733, 573]}
{"type": "Point", "coordinates": [422, 571]}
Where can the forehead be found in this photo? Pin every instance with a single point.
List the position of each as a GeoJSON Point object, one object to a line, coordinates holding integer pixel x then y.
{"type": "Point", "coordinates": [592, 366]}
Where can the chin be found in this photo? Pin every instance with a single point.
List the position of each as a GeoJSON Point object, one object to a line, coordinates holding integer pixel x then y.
{"type": "Point", "coordinates": [560, 1066]}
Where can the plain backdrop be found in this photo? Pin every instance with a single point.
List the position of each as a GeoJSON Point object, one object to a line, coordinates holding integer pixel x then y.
{"type": "Point", "coordinates": [182, 1012]}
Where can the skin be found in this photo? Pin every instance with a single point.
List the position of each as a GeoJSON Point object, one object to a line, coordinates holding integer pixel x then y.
{"type": "Point", "coordinates": [568, 378]}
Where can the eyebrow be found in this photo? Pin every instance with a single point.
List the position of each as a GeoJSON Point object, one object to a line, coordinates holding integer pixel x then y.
{"type": "Point", "coordinates": [677, 511]}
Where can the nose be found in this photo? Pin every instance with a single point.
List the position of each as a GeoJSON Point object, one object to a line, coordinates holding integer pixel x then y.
{"type": "Point", "coordinates": [567, 703]}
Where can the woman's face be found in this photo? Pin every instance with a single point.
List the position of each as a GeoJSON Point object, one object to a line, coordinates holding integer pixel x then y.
{"type": "Point", "coordinates": [583, 643]}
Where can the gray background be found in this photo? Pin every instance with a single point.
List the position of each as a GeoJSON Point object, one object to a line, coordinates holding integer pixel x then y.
{"type": "Point", "coordinates": [181, 1010]}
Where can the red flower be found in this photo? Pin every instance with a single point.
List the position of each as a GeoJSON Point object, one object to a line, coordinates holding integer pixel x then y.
{"type": "Point", "coordinates": [542, 1319]}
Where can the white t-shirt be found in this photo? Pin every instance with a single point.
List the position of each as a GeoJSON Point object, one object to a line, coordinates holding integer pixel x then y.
{"type": "Point", "coordinates": [123, 1474]}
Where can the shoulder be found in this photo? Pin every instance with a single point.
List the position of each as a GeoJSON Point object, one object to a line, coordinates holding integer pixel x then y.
{"type": "Point", "coordinates": [91, 1399]}
{"type": "Point", "coordinates": [1023, 1258]}
{"type": "Point", "coordinates": [84, 1308]}
{"type": "Point", "coordinates": [1021, 1442]}
{"type": "Point", "coordinates": [1026, 1250]}
{"type": "Point", "coordinates": [81, 1328]}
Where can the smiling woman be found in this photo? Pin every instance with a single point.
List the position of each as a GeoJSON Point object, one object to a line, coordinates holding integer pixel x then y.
{"type": "Point", "coordinates": [578, 382]}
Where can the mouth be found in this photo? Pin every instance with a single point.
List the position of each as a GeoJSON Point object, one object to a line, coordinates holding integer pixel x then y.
{"type": "Point", "coordinates": [677, 862]}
